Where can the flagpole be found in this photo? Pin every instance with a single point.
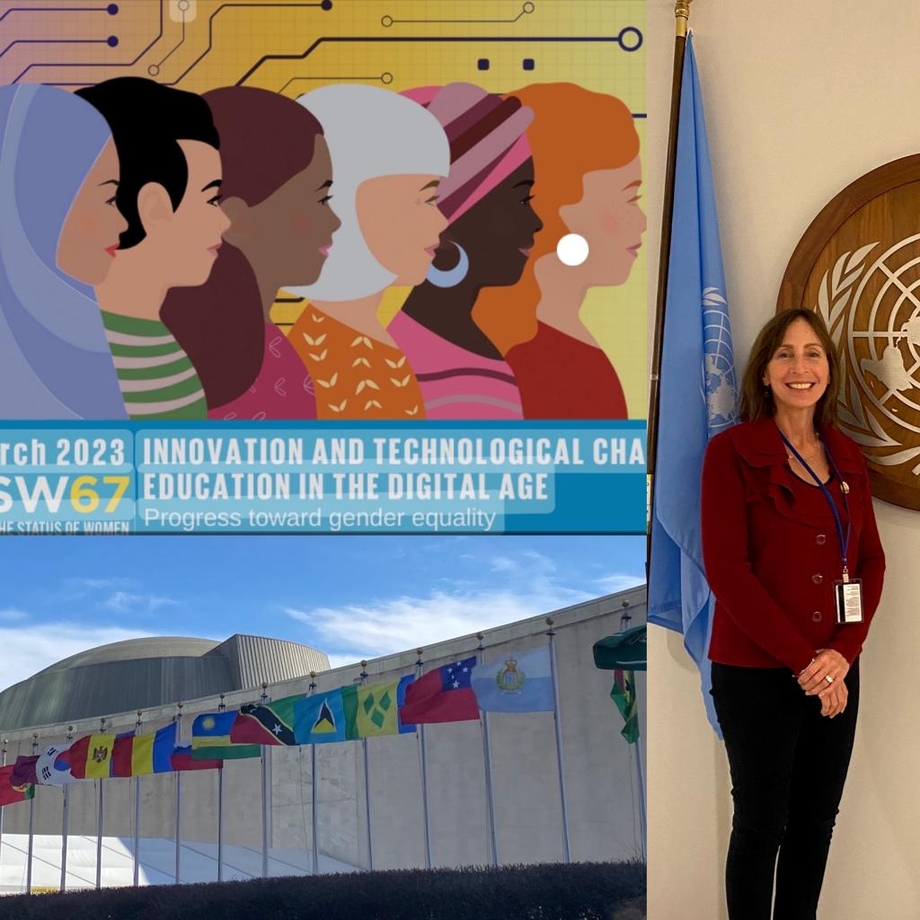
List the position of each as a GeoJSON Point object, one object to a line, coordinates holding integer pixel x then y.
{"type": "Point", "coordinates": [625, 619]}
{"type": "Point", "coordinates": [560, 758]}
{"type": "Point", "coordinates": [65, 820]}
{"type": "Point", "coordinates": [682, 17]}
{"type": "Point", "coordinates": [423, 767]}
{"type": "Point", "coordinates": [642, 803]}
{"type": "Point", "coordinates": [100, 820]}
{"type": "Point", "coordinates": [31, 825]}
{"type": "Point", "coordinates": [367, 786]}
{"type": "Point", "coordinates": [266, 793]}
{"type": "Point", "coordinates": [220, 810]}
{"type": "Point", "coordinates": [314, 791]}
{"type": "Point", "coordinates": [5, 743]}
{"type": "Point", "coordinates": [487, 755]}
{"type": "Point", "coordinates": [137, 814]}
{"type": "Point", "coordinates": [178, 720]}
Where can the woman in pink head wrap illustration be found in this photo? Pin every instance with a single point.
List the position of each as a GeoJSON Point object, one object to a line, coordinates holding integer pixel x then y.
{"type": "Point", "coordinates": [491, 232]}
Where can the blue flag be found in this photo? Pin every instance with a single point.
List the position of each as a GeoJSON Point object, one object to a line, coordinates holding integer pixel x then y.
{"type": "Point", "coordinates": [404, 682]}
{"type": "Point", "coordinates": [515, 683]}
{"type": "Point", "coordinates": [320, 718]}
{"type": "Point", "coordinates": [698, 396]}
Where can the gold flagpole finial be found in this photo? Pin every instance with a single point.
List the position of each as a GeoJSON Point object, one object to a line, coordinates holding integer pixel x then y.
{"type": "Point", "coordinates": [682, 14]}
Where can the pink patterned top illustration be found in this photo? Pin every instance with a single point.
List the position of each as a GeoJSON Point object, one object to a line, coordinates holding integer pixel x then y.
{"type": "Point", "coordinates": [282, 390]}
{"type": "Point", "coordinates": [456, 383]}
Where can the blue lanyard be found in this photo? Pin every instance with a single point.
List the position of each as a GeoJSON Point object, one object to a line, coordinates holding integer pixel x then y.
{"type": "Point", "coordinates": [844, 489]}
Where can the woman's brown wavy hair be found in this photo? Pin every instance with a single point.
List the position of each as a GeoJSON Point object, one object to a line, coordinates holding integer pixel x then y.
{"type": "Point", "coordinates": [756, 399]}
{"type": "Point", "coordinates": [265, 140]}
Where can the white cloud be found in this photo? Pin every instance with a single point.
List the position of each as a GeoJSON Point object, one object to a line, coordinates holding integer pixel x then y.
{"type": "Point", "coordinates": [10, 614]}
{"type": "Point", "coordinates": [98, 583]}
{"type": "Point", "coordinates": [619, 581]}
{"type": "Point", "coordinates": [528, 563]}
{"type": "Point", "coordinates": [341, 661]}
{"type": "Point", "coordinates": [539, 560]}
{"type": "Point", "coordinates": [367, 631]}
{"type": "Point", "coordinates": [125, 602]}
{"type": "Point", "coordinates": [29, 649]}
{"type": "Point", "coordinates": [503, 564]}
{"type": "Point", "coordinates": [510, 586]}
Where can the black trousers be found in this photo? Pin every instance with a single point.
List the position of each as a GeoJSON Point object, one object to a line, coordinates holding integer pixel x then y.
{"type": "Point", "coordinates": [788, 767]}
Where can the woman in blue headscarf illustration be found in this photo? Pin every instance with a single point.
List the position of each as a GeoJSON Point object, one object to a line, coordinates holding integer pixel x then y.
{"type": "Point", "coordinates": [58, 234]}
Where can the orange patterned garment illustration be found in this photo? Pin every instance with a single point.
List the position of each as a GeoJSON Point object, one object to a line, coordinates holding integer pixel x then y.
{"type": "Point", "coordinates": [354, 376]}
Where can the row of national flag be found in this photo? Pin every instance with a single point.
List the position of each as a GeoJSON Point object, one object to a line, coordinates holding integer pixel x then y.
{"type": "Point", "coordinates": [455, 692]}
{"type": "Point", "coordinates": [101, 756]}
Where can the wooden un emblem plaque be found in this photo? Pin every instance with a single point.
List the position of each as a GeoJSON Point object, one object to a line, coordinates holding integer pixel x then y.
{"type": "Point", "coordinates": [858, 265]}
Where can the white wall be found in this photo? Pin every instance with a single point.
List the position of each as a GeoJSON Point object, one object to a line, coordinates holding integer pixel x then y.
{"type": "Point", "coordinates": [802, 97]}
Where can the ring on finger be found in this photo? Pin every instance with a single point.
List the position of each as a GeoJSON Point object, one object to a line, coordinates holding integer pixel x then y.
{"type": "Point", "coordinates": [828, 678]}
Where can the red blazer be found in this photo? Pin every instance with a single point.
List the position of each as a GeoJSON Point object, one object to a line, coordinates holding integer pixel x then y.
{"type": "Point", "coordinates": [772, 553]}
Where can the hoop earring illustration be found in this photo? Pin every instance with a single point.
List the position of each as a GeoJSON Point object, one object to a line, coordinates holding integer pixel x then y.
{"type": "Point", "coordinates": [452, 276]}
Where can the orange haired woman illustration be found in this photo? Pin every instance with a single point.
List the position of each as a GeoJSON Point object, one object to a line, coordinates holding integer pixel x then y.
{"type": "Point", "coordinates": [586, 158]}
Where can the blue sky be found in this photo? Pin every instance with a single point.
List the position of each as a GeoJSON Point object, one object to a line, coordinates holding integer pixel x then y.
{"type": "Point", "coordinates": [353, 597]}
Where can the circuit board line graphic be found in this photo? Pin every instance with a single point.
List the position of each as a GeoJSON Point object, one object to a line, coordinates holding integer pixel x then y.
{"type": "Point", "coordinates": [54, 9]}
{"type": "Point", "coordinates": [613, 39]}
{"type": "Point", "coordinates": [223, 6]}
{"type": "Point", "coordinates": [155, 68]}
{"type": "Point", "coordinates": [156, 38]}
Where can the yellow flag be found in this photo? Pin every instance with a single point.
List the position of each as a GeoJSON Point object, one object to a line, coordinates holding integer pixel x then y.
{"type": "Point", "coordinates": [142, 755]}
{"type": "Point", "coordinates": [99, 756]}
{"type": "Point", "coordinates": [378, 712]}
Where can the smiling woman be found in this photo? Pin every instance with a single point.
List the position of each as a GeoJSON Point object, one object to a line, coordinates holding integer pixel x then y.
{"type": "Point", "coordinates": [793, 557]}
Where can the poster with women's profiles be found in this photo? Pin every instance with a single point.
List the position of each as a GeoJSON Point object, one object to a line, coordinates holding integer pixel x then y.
{"type": "Point", "coordinates": [361, 266]}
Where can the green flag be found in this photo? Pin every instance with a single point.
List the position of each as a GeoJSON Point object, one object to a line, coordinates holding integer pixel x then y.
{"type": "Point", "coordinates": [377, 712]}
{"type": "Point", "coordinates": [623, 695]}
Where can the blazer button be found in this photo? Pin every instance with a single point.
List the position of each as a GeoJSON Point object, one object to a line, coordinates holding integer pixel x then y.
{"type": "Point", "coordinates": [816, 616]}
{"type": "Point", "coordinates": [821, 539]}
{"type": "Point", "coordinates": [817, 579]}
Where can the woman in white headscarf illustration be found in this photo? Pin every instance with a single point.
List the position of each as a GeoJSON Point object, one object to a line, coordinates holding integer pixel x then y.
{"type": "Point", "coordinates": [58, 233]}
{"type": "Point", "coordinates": [388, 158]}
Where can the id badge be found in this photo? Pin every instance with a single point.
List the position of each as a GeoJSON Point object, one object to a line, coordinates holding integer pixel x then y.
{"type": "Point", "coordinates": [848, 601]}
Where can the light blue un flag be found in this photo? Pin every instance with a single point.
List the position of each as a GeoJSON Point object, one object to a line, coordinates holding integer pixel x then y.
{"type": "Point", "coordinates": [698, 396]}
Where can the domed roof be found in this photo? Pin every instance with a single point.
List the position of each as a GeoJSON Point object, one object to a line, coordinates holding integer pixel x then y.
{"type": "Point", "coordinates": [135, 650]}
{"type": "Point", "coordinates": [151, 672]}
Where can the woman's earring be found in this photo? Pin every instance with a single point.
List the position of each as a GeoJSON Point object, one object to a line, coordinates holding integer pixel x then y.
{"type": "Point", "coordinates": [453, 276]}
{"type": "Point", "coordinates": [572, 249]}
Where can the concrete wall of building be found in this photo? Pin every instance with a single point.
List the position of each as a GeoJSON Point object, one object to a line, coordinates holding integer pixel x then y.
{"type": "Point", "coordinates": [599, 769]}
